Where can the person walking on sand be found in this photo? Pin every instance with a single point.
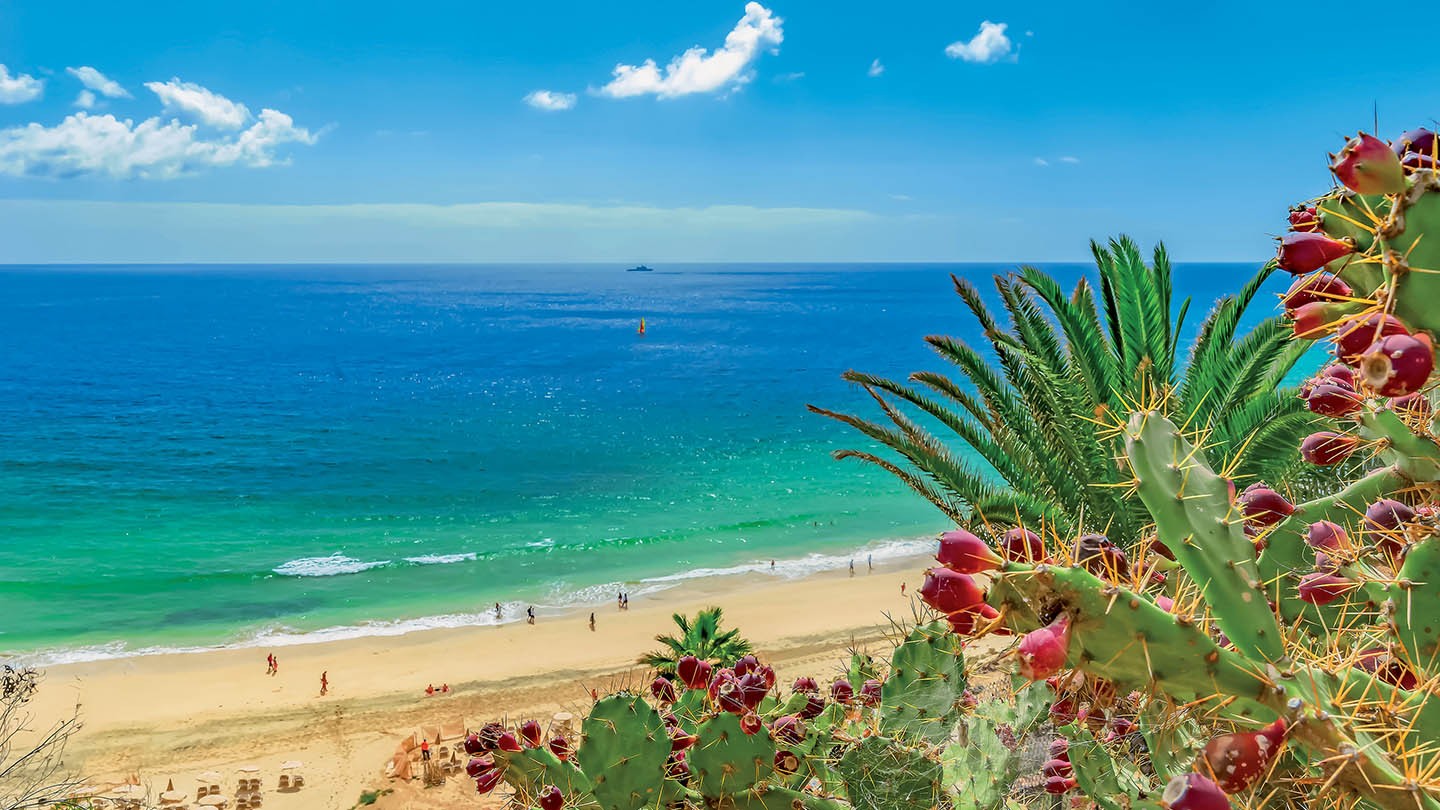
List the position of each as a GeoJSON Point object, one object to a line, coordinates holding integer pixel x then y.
{"type": "Point", "coordinates": [902, 589]}
{"type": "Point", "coordinates": [852, 568]}
{"type": "Point", "coordinates": [274, 665]}
{"type": "Point", "coordinates": [530, 614]}
{"type": "Point", "coordinates": [592, 622]}
{"type": "Point", "coordinates": [270, 664]}
{"type": "Point", "coordinates": [424, 750]}
{"type": "Point", "coordinates": [498, 614]}
{"type": "Point", "coordinates": [324, 683]}
{"type": "Point", "coordinates": [870, 561]}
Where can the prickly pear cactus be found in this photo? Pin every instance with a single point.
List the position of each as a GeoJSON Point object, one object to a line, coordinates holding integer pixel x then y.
{"type": "Point", "coordinates": [920, 699]}
{"type": "Point", "coordinates": [881, 774]}
{"type": "Point", "coordinates": [1258, 651]}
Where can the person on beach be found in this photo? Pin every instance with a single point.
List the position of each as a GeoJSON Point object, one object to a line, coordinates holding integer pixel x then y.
{"type": "Point", "coordinates": [498, 614]}
{"type": "Point", "coordinates": [902, 589]}
{"type": "Point", "coordinates": [772, 565]}
{"type": "Point", "coordinates": [270, 664]}
{"type": "Point", "coordinates": [625, 601]}
{"type": "Point", "coordinates": [852, 568]}
{"type": "Point", "coordinates": [870, 561]}
{"type": "Point", "coordinates": [619, 600]}
{"type": "Point", "coordinates": [430, 690]}
{"type": "Point", "coordinates": [324, 683]}
{"type": "Point", "coordinates": [274, 665]}
{"type": "Point", "coordinates": [592, 622]}
{"type": "Point", "coordinates": [444, 688]}
{"type": "Point", "coordinates": [530, 614]}
{"type": "Point", "coordinates": [424, 750]}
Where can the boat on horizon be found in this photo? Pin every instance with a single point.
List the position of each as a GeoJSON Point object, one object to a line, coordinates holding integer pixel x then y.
{"type": "Point", "coordinates": [640, 268]}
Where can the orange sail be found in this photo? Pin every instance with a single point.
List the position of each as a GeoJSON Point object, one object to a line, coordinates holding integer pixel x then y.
{"type": "Point", "coordinates": [641, 330]}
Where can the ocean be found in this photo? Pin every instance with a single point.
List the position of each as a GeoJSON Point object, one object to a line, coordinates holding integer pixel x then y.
{"type": "Point", "coordinates": [193, 456]}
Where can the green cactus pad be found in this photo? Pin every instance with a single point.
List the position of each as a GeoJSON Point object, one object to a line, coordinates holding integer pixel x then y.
{"type": "Point", "coordinates": [1195, 519]}
{"type": "Point", "coordinates": [530, 770]}
{"type": "Point", "coordinates": [727, 761]}
{"type": "Point", "coordinates": [1114, 782]}
{"type": "Point", "coordinates": [881, 774]}
{"type": "Point", "coordinates": [980, 767]}
{"type": "Point", "coordinates": [623, 749]}
{"type": "Point", "coordinates": [1414, 606]}
{"type": "Point", "coordinates": [919, 698]}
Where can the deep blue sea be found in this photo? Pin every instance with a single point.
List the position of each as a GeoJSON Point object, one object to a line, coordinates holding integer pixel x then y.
{"type": "Point", "coordinates": [201, 455]}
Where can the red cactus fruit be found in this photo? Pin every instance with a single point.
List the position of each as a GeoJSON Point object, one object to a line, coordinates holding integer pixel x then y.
{"type": "Point", "coordinates": [750, 723]}
{"type": "Point", "coordinates": [560, 747]}
{"type": "Point", "coordinates": [1327, 448]}
{"type": "Point", "coordinates": [1237, 760]}
{"type": "Point", "coordinates": [1354, 338]}
{"type": "Point", "coordinates": [1022, 545]}
{"type": "Point", "coordinates": [473, 745]}
{"type": "Point", "coordinates": [967, 622]}
{"type": "Point", "coordinates": [1334, 401]}
{"type": "Point", "coordinates": [745, 665]}
{"type": "Point", "coordinates": [693, 672]}
{"type": "Point", "coordinates": [1063, 712]}
{"type": "Point", "coordinates": [1060, 749]}
{"type": "Point", "coordinates": [768, 674]}
{"type": "Point", "coordinates": [487, 781]}
{"type": "Point", "coordinates": [1057, 767]}
{"type": "Point", "coordinates": [677, 767]}
{"type": "Point", "coordinates": [951, 591]}
{"type": "Point", "coordinates": [479, 765]}
{"type": "Point", "coordinates": [1304, 252]}
{"type": "Point", "coordinates": [786, 762]}
{"type": "Point", "coordinates": [1325, 563]}
{"type": "Point", "coordinates": [680, 739]}
{"type": "Point", "coordinates": [550, 798]}
{"type": "Point", "coordinates": [1042, 651]}
{"type": "Point", "coordinates": [753, 689]}
{"type": "Point", "coordinates": [1165, 603]}
{"type": "Point", "coordinates": [1416, 140]}
{"type": "Point", "coordinates": [1192, 791]}
{"type": "Point", "coordinates": [1415, 406]}
{"type": "Point", "coordinates": [1378, 662]}
{"type": "Point", "coordinates": [726, 693]}
{"type": "Point", "coordinates": [1338, 373]}
{"type": "Point", "coordinates": [490, 734]}
{"type": "Point", "coordinates": [870, 692]}
{"type": "Point", "coordinates": [1314, 320]}
{"type": "Point", "coordinates": [507, 742]}
{"type": "Point", "coordinates": [1119, 727]}
{"type": "Point", "coordinates": [1264, 506]}
{"type": "Point", "coordinates": [841, 691]}
{"type": "Point", "coordinates": [663, 690]}
{"type": "Point", "coordinates": [964, 552]}
{"type": "Point", "coordinates": [814, 705]}
{"type": "Point", "coordinates": [1322, 587]}
{"type": "Point", "coordinates": [1316, 288]}
{"type": "Point", "coordinates": [1056, 785]}
{"type": "Point", "coordinates": [1368, 165]}
{"type": "Point", "coordinates": [1101, 557]}
{"type": "Point", "coordinates": [1304, 218]}
{"type": "Point", "coordinates": [1387, 515]}
{"type": "Point", "coordinates": [1397, 365]}
{"type": "Point", "coordinates": [531, 735]}
{"type": "Point", "coordinates": [788, 729]}
{"type": "Point", "coordinates": [969, 700]}
{"type": "Point", "coordinates": [805, 685]}
{"type": "Point", "coordinates": [1324, 534]}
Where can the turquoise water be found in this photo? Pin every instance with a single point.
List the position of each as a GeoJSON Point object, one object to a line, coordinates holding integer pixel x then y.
{"type": "Point", "coordinates": [195, 456]}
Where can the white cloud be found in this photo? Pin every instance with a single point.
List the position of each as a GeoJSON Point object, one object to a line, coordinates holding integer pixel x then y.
{"type": "Point", "coordinates": [547, 100]}
{"type": "Point", "coordinates": [790, 77]}
{"type": "Point", "coordinates": [1069, 159]}
{"type": "Point", "coordinates": [103, 145]}
{"type": "Point", "coordinates": [98, 82]}
{"type": "Point", "coordinates": [901, 197]}
{"type": "Point", "coordinates": [875, 69]}
{"type": "Point", "coordinates": [989, 46]}
{"type": "Point", "coordinates": [1041, 162]}
{"type": "Point", "coordinates": [700, 71]}
{"type": "Point", "coordinates": [85, 100]}
{"type": "Point", "coordinates": [210, 107]}
{"type": "Point", "coordinates": [19, 88]}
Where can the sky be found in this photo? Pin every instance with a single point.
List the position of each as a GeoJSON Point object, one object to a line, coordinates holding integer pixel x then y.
{"type": "Point", "coordinates": [708, 130]}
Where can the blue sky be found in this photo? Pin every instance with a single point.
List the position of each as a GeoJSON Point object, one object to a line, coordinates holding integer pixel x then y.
{"type": "Point", "coordinates": [293, 131]}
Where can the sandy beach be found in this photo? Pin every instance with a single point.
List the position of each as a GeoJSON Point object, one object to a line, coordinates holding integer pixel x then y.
{"type": "Point", "coordinates": [168, 717]}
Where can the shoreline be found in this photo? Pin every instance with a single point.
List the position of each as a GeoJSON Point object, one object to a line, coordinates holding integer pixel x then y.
{"type": "Point", "coordinates": [170, 716]}
{"type": "Point", "coordinates": [790, 569]}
